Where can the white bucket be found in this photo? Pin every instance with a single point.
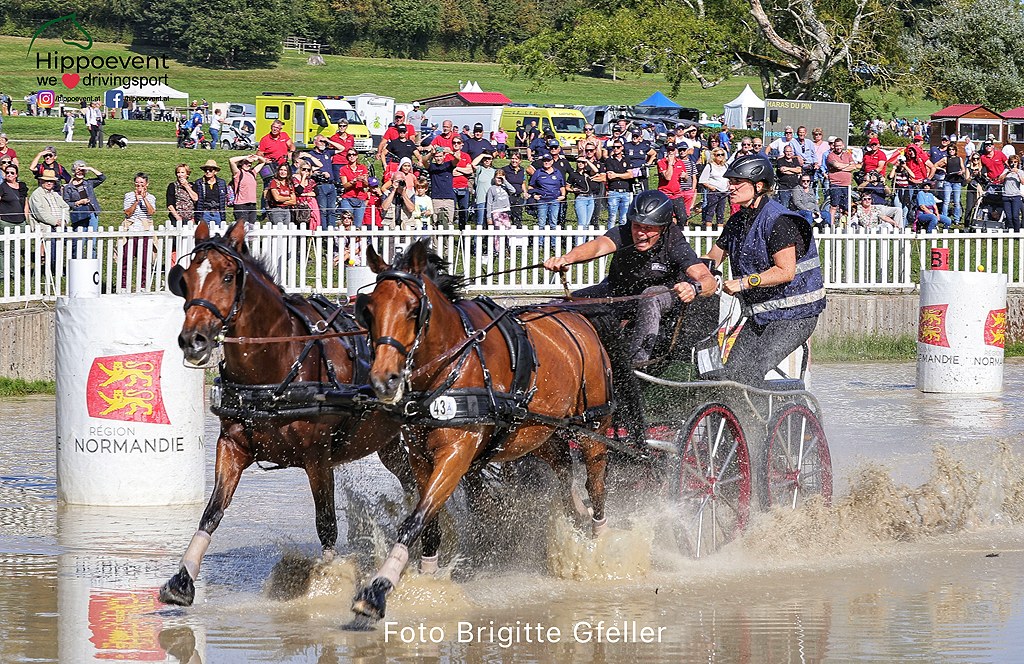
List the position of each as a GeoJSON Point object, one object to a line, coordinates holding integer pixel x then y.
{"type": "Point", "coordinates": [129, 414]}
{"type": "Point", "coordinates": [357, 276]}
{"type": "Point", "coordinates": [84, 277]}
{"type": "Point", "coordinates": [961, 332]}
{"type": "Point", "coordinates": [112, 561]}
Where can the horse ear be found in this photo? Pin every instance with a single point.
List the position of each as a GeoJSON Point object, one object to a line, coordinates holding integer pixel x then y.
{"type": "Point", "coordinates": [374, 261]}
{"type": "Point", "coordinates": [202, 231]}
{"type": "Point", "coordinates": [236, 234]}
{"type": "Point", "coordinates": [417, 258]}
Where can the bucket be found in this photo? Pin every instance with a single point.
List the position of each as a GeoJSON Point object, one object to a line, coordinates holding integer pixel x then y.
{"type": "Point", "coordinates": [129, 413]}
{"type": "Point", "coordinates": [961, 332]}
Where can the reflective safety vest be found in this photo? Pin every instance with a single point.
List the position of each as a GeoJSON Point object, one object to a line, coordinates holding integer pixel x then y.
{"type": "Point", "coordinates": [804, 297]}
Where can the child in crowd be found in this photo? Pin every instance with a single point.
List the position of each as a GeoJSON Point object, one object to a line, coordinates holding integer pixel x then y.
{"type": "Point", "coordinates": [423, 206]}
{"type": "Point", "coordinates": [69, 126]}
{"type": "Point", "coordinates": [499, 205]}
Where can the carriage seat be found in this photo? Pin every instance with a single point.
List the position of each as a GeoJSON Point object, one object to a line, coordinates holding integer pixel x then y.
{"type": "Point", "coordinates": [785, 385]}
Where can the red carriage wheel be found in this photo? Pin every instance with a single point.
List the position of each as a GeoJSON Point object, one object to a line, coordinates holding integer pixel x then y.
{"type": "Point", "coordinates": [797, 463]}
{"type": "Point", "coordinates": [714, 483]}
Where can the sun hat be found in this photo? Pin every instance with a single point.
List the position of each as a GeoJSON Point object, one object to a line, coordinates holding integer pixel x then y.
{"type": "Point", "coordinates": [210, 163]}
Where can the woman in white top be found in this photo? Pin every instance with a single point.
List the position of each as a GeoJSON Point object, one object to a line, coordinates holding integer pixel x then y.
{"type": "Point", "coordinates": [716, 189]}
{"type": "Point", "coordinates": [139, 207]}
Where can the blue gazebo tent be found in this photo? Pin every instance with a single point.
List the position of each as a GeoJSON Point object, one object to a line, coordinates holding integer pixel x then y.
{"type": "Point", "coordinates": [659, 100]}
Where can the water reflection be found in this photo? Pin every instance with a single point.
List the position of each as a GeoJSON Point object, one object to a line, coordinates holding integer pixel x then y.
{"type": "Point", "coordinates": [112, 563]}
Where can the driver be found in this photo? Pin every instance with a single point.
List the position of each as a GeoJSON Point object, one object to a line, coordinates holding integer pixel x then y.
{"type": "Point", "coordinates": [776, 272]}
{"type": "Point", "coordinates": [651, 258]}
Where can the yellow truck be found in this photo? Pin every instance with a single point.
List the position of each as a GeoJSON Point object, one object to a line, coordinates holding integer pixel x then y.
{"type": "Point", "coordinates": [306, 117]}
{"type": "Point", "coordinates": [565, 123]}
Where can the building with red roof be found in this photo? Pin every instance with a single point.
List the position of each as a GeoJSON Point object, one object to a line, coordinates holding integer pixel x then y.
{"type": "Point", "coordinates": [972, 121]}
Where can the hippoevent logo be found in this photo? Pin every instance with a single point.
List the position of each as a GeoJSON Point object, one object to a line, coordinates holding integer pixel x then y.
{"type": "Point", "coordinates": [127, 388]}
{"type": "Point", "coordinates": [111, 71]}
{"type": "Point", "coordinates": [931, 328]}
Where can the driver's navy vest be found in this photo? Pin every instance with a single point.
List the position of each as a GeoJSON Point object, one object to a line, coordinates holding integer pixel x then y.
{"type": "Point", "coordinates": [804, 297]}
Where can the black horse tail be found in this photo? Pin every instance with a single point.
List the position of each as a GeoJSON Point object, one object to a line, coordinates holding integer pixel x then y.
{"type": "Point", "coordinates": [628, 397]}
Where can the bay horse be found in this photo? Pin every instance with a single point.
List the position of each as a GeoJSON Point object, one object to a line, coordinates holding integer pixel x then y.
{"type": "Point", "coordinates": [438, 356]}
{"type": "Point", "coordinates": [272, 416]}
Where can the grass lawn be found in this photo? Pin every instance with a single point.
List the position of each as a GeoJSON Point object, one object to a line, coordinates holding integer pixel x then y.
{"type": "Point", "coordinates": [403, 79]}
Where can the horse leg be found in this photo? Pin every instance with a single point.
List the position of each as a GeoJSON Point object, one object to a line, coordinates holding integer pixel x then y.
{"type": "Point", "coordinates": [403, 467]}
{"type": "Point", "coordinates": [555, 452]}
{"type": "Point", "coordinates": [595, 458]}
{"type": "Point", "coordinates": [321, 483]}
{"type": "Point", "coordinates": [451, 462]}
{"type": "Point", "coordinates": [232, 459]}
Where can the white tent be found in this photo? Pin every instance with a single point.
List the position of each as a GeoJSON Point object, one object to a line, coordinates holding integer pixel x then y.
{"type": "Point", "coordinates": [158, 91]}
{"type": "Point", "coordinates": [747, 104]}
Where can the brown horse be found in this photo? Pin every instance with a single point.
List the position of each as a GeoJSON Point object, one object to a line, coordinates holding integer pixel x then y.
{"type": "Point", "coordinates": [272, 416]}
{"type": "Point", "coordinates": [439, 351]}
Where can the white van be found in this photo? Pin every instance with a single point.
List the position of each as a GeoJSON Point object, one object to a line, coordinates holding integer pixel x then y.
{"type": "Point", "coordinates": [488, 116]}
{"type": "Point", "coordinates": [376, 110]}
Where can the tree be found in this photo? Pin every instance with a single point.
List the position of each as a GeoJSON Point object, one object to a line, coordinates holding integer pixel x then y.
{"type": "Point", "coordinates": [969, 52]}
{"type": "Point", "coordinates": [239, 33]}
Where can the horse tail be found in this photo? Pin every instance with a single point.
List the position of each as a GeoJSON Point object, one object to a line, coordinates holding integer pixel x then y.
{"type": "Point", "coordinates": [626, 392]}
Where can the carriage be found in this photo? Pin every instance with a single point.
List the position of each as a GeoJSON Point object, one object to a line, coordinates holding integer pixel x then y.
{"type": "Point", "coordinates": [467, 399]}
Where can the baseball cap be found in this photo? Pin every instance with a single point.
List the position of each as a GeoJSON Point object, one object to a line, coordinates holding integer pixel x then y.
{"type": "Point", "coordinates": [553, 144]}
{"type": "Point", "coordinates": [401, 128]}
{"type": "Point", "coordinates": [918, 137]}
{"type": "Point", "coordinates": [873, 141]}
{"type": "Point", "coordinates": [831, 139]}
{"type": "Point", "coordinates": [547, 157]}
{"type": "Point", "coordinates": [478, 127]}
{"type": "Point", "coordinates": [415, 104]}
{"type": "Point", "coordinates": [944, 138]}
{"type": "Point", "coordinates": [636, 132]}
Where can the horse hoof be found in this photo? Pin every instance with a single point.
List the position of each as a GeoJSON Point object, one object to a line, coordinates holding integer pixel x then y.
{"type": "Point", "coordinates": [371, 600]}
{"type": "Point", "coordinates": [179, 589]}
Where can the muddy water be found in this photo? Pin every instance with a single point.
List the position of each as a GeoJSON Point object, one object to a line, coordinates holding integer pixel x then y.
{"type": "Point", "coordinates": [920, 557]}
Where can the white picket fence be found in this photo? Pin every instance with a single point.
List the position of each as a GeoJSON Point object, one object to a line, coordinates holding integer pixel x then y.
{"type": "Point", "coordinates": [304, 261]}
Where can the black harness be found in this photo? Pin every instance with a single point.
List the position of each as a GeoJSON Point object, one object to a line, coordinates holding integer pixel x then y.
{"type": "Point", "coordinates": [290, 399]}
{"type": "Point", "coordinates": [448, 406]}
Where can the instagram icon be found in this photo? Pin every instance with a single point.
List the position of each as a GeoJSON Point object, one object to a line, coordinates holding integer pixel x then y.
{"type": "Point", "coordinates": [45, 99]}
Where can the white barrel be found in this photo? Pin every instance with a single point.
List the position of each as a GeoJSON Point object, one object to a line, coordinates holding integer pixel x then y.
{"type": "Point", "coordinates": [129, 414]}
{"type": "Point", "coordinates": [961, 332]}
{"type": "Point", "coordinates": [113, 561]}
{"type": "Point", "coordinates": [357, 276]}
{"type": "Point", "coordinates": [84, 277]}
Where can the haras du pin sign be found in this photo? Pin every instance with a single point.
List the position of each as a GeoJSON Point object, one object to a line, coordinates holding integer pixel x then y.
{"type": "Point", "coordinates": [961, 332]}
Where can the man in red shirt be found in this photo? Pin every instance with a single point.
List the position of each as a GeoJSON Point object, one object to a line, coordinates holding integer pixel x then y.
{"type": "Point", "coordinates": [840, 166]}
{"type": "Point", "coordinates": [353, 182]}
{"type": "Point", "coordinates": [874, 159]}
{"type": "Point", "coordinates": [672, 172]}
{"type": "Point", "coordinates": [343, 142]}
{"type": "Point", "coordinates": [993, 161]}
{"type": "Point", "coordinates": [445, 138]}
{"type": "Point", "coordinates": [276, 147]}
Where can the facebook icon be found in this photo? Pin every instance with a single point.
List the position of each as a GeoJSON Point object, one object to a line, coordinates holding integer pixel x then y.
{"type": "Point", "coordinates": [113, 98]}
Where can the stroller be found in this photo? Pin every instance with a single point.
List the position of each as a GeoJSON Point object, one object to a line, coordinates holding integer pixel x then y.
{"type": "Point", "coordinates": [185, 140]}
{"type": "Point", "coordinates": [988, 212]}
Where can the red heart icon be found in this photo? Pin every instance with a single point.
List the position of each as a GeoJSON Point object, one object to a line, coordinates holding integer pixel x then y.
{"type": "Point", "coordinates": [70, 80]}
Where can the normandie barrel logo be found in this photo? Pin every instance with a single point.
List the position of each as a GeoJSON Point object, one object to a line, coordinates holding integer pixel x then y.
{"type": "Point", "coordinates": [117, 631]}
{"type": "Point", "coordinates": [995, 328]}
{"type": "Point", "coordinates": [127, 388]}
{"type": "Point", "coordinates": [931, 326]}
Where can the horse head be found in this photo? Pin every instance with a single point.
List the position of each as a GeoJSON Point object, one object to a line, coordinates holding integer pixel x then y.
{"type": "Point", "coordinates": [213, 286]}
{"type": "Point", "coordinates": [396, 315]}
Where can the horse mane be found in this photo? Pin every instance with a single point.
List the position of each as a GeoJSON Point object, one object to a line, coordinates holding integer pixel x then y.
{"type": "Point", "coordinates": [451, 286]}
{"type": "Point", "coordinates": [259, 266]}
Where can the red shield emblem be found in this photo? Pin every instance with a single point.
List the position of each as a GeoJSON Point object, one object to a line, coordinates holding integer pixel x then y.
{"type": "Point", "coordinates": [127, 388]}
{"type": "Point", "coordinates": [931, 325]}
{"type": "Point", "coordinates": [119, 629]}
{"type": "Point", "coordinates": [995, 328]}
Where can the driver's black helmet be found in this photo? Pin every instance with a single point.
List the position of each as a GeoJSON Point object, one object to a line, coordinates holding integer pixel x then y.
{"type": "Point", "coordinates": [651, 208]}
{"type": "Point", "coordinates": [753, 168]}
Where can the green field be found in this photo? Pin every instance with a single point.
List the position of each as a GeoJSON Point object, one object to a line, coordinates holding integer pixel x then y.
{"type": "Point", "coordinates": [404, 80]}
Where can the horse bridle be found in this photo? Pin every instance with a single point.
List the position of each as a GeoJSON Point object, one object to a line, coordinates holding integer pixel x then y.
{"type": "Point", "coordinates": [422, 317]}
{"type": "Point", "coordinates": [175, 281]}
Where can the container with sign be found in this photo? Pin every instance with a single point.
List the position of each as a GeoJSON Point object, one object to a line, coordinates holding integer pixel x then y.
{"type": "Point", "coordinates": [961, 332]}
{"type": "Point", "coordinates": [129, 413]}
